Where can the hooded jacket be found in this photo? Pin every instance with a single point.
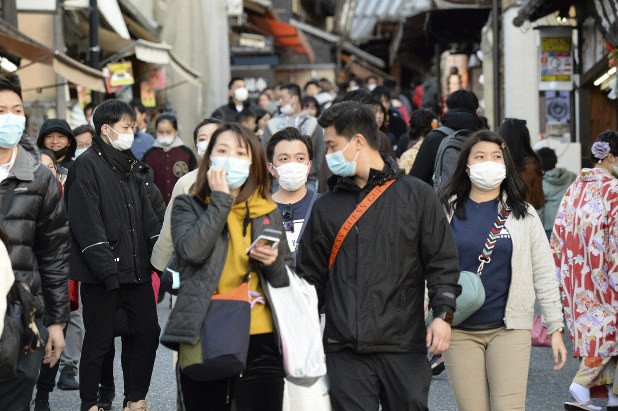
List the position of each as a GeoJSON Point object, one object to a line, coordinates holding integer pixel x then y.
{"type": "Point", "coordinates": [113, 226]}
{"type": "Point", "coordinates": [556, 182]}
{"type": "Point", "coordinates": [374, 293]}
{"type": "Point", "coordinates": [60, 126]}
{"type": "Point", "coordinates": [456, 119]}
{"type": "Point", "coordinates": [38, 231]}
{"type": "Point", "coordinates": [199, 232]}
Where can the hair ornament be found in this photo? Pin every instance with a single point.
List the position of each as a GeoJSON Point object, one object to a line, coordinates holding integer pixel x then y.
{"type": "Point", "coordinates": [502, 146]}
{"type": "Point", "coordinates": [600, 150]}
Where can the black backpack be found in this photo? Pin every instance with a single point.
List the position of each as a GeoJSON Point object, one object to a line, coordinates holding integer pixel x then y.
{"type": "Point", "coordinates": [448, 154]}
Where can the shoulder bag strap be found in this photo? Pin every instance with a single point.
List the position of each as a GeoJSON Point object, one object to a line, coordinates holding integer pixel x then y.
{"type": "Point", "coordinates": [485, 257]}
{"type": "Point", "coordinates": [353, 218]}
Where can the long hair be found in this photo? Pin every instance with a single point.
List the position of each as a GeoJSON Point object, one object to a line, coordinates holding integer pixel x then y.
{"type": "Point", "coordinates": [259, 179]}
{"type": "Point", "coordinates": [517, 138]}
{"type": "Point", "coordinates": [459, 185]}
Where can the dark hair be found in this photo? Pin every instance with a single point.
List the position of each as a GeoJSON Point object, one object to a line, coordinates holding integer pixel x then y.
{"type": "Point", "coordinates": [259, 113]}
{"type": "Point", "coordinates": [83, 129]}
{"type": "Point", "coordinates": [10, 82]}
{"type": "Point", "coordinates": [246, 114]}
{"type": "Point", "coordinates": [307, 100]}
{"type": "Point", "coordinates": [259, 178]}
{"type": "Point", "coordinates": [311, 82]}
{"type": "Point", "coordinates": [517, 138]}
{"type": "Point", "coordinates": [234, 80]}
{"type": "Point", "coordinates": [49, 153]}
{"type": "Point", "coordinates": [202, 123]}
{"type": "Point", "coordinates": [292, 89]}
{"type": "Point", "coordinates": [610, 137]}
{"type": "Point", "coordinates": [548, 158]}
{"type": "Point", "coordinates": [361, 96]}
{"type": "Point", "coordinates": [484, 122]}
{"type": "Point", "coordinates": [288, 134]}
{"type": "Point", "coordinates": [167, 117]}
{"type": "Point", "coordinates": [136, 104]}
{"type": "Point", "coordinates": [382, 91]}
{"type": "Point", "coordinates": [459, 184]}
{"type": "Point", "coordinates": [420, 123]}
{"type": "Point", "coordinates": [462, 100]}
{"type": "Point", "coordinates": [350, 118]}
{"type": "Point", "coordinates": [89, 106]}
{"type": "Point", "coordinates": [110, 112]}
{"type": "Point", "coordinates": [371, 77]}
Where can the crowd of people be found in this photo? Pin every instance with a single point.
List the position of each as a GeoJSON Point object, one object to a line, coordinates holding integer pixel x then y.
{"type": "Point", "coordinates": [376, 198]}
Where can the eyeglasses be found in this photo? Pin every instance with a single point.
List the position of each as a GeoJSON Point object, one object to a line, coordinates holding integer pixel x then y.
{"type": "Point", "coordinates": [288, 223]}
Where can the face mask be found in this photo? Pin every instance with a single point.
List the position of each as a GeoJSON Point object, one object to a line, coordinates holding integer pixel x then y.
{"type": "Point", "coordinates": [292, 176]}
{"type": "Point", "coordinates": [11, 128]}
{"type": "Point", "coordinates": [201, 147]}
{"type": "Point", "coordinates": [123, 142]}
{"type": "Point", "coordinates": [165, 140]}
{"type": "Point", "coordinates": [237, 169]}
{"type": "Point", "coordinates": [487, 175]}
{"type": "Point", "coordinates": [354, 88]}
{"type": "Point", "coordinates": [79, 152]}
{"type": "Point", "coordinates": [241, 94]}
{"type": "Point", "coordinates": [339, 165]}
{"type": "Point", "coordinates": [287, 109]}
{"type": "Point", "coordinates": [372, 86]}
{"type": "Point", "coordinates": [60, 153]}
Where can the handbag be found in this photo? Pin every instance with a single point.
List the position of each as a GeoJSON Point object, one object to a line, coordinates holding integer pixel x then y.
{"type": "Point", "coordinates": [472, 295]}
{"type": "Point", "coordinates": [299, 329]}
{"type": "Point", "coordinates": [539, 335]}
{"type": "Point", "coordinates": [224, 336]}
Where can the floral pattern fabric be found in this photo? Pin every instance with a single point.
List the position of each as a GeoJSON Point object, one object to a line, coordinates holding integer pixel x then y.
{"type": "Point", "coordinates": [585, 246]}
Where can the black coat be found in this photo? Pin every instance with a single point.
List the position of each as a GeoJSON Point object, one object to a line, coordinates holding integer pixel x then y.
{"type": "Point", "coordinates": [38, 231]}
{"type": "Point", "coordinates": [374, 294]}
{"type": "Point", "coordinates": [227, 112]}
{"type": "Point", "coordinates": [426, 157]}
{"type": "Point", "coordinates": [146, 175]}
{"type": "Point", "coordinates": [113, 226]}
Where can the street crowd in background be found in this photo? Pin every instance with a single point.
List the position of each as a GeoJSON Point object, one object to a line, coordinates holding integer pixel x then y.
{"type": "Point", "coordinates": [380, 200]}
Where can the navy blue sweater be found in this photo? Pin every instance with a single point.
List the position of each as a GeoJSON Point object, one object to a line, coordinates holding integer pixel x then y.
{"type": "Point", "coordinates": [470, 235]}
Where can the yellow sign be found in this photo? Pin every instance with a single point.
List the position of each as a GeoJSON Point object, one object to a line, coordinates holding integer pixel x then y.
{"type": "Point", "coordinates": [555, 44]}
{"type": "Point", "coordinates": [121, 74]}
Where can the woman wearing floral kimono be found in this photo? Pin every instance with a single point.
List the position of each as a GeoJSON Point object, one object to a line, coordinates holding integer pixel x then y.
{"type": "Point", "coordinates": [585, 246]}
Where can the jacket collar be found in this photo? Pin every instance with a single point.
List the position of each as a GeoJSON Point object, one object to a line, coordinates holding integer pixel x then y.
{"type": "Point", "coordinates": [27, 161]}
{"type": "Point", "coordinates": [376, 177]}
{"type": "Point", "coordinates": [122, 162]}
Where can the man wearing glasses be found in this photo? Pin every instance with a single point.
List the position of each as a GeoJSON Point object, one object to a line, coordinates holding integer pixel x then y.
{"type": "Point", "coordinates": [289, 156]}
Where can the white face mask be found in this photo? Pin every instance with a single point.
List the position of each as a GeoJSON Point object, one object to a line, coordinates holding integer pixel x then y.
{"type": "Point", "coordinates": [241, 94]}
{"type": "Point", "coordinates": [123, 142]}
{"type": "Point", "coordinates": [201, 147]}
{"type": "Point", "coordinates": [79, 152]}
{"type": "Point", "coordinates": [292, 176]}
{"type": "Point", "coordinates": [371, 86]}
{"type": "Point", "coordinates": [487, 175]}
{"type": "Point", "coordinates": [288, 109]}
{"type": "Point", "coordinates": [165, 140]}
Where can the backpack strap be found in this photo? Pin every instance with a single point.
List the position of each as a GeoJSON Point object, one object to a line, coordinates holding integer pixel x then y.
{"type": "Point", "coordinates": [447, 131]}
{"type": "Point", "coordinates": [485, 257]}
{"type": "Point", "coordinates": [353, 218]}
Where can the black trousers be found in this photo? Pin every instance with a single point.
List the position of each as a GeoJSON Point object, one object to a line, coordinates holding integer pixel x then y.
{"type": "Point", "coordinates": [47, 376]}
{"type": "Point", "coordinates": [260, 388]}
{"type": "Point", "coordinates": [399, 382]}
{"type": "Point", "coordinates": [16, 391]}
{"type": "Point", "coordinates": [99, 310]}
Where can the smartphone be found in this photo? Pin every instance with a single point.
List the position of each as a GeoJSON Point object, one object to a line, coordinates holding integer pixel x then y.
{"type": "Point", "coordinates": [268, 236]}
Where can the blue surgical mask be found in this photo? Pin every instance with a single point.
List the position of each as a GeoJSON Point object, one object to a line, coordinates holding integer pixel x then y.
{"type": "Point", "coordinates": [237, 169]}
{"type": "Point", "coordinates": [339, 165]}
{"type": "Point", "coordinates": [11, 128]}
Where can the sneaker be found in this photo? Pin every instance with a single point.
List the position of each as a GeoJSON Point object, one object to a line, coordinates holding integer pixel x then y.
{"type": "Point", "coordinates": [106, 396]}
{"type": "Point", "coordinates": [137, 406]}
{"type": "Point", "coordinates": [437, 364]}
{"type": "Point", "coordinates": [67, 381]}
{"type": "Point", "coordinates": [41, 404]}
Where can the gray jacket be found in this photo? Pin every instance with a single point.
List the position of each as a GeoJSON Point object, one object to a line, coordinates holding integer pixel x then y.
{"type": "Point", "coordinates": [200, 241]}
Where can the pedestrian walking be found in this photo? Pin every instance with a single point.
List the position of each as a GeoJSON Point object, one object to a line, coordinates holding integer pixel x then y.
{"type": "Point", "coordinates": [586, 257]}
{"type": "Point", "coordinates": [229, 207]}
{"type": "Point", "coordinates": [369, 273]}
{"type": "Point", "coordinates": [488, 359]}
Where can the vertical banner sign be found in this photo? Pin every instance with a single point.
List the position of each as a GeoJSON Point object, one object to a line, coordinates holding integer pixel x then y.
{"type": "Point", "coordinates": [556, 59]}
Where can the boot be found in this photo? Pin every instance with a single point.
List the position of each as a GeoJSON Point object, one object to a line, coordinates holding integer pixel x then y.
{"type": "Point", "coordinates": [106, 396]}
{"type": "Point", "coordinates": [137, 406]}
{"type": "Point", "coordinates": [67, 380]}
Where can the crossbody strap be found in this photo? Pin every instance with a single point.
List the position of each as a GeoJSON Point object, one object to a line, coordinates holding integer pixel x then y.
{"type": "Point", "coordinates": [485, 257]}
{"type": "Point", "coordinates": [353, 218]}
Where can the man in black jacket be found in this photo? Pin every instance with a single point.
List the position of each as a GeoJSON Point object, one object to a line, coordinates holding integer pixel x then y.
{"type": "Point", "coordinates": [237, 102]}
{"type": "Point", "coordinates": [375, 337]}
{"type": "Point", "coordinates": [113, 229]}
{"type": "Point", "coordinates": [35, 221]}
{"type": "Point", "coordinates": [461, 115]}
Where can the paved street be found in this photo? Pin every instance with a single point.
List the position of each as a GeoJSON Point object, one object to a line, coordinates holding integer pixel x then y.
{"type": "Point", "coordinates": [547, 389]}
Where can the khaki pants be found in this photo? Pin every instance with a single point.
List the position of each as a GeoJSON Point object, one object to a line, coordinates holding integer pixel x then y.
{"type": "Point", "coordinates": [489, 367]}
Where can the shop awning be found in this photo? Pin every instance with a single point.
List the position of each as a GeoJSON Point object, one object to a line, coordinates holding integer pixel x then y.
{"type": "Point", "coordinates": [18, 45]}
{"type": "Point", "coordinates": [285, 35]}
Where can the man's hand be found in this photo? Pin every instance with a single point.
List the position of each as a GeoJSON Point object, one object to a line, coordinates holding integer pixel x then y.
{"type": "Point", "coordinates": [54, 346]}
{"type": "Point", "coordinates": [559, 350]}
{"type": "Point", "coordinates": [438, 336]}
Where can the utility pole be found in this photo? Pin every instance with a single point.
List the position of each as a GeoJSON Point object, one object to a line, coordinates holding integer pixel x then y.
{"type": "Point", "coordinates": [95, 49]}
{"type": "Point", "coordinates": [496, 61]}
{"type": "Point", "coordinates": [61, 90]}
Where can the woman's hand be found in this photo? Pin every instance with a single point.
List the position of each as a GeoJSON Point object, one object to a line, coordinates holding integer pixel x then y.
{"type": "Point", "coordinates": [264, 254]}
{"type": "Point", "coordinates": [559, 350]}
{"type": "Point", "coordinates": [216, 179]}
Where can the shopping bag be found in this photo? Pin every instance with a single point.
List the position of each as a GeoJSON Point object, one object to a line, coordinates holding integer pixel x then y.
{"type": "Point", "coordinates": [539, 333]}
{"type": "Point", "coordinates": [312, 398]}
{"type": "Point", "coordinates": [296, 308]}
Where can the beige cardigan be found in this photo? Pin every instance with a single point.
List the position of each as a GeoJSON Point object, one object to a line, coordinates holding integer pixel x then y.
{"type": "Point", "coordinates": [533, 275]}
{"type": "Point", "coordinates": [163, 248]}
